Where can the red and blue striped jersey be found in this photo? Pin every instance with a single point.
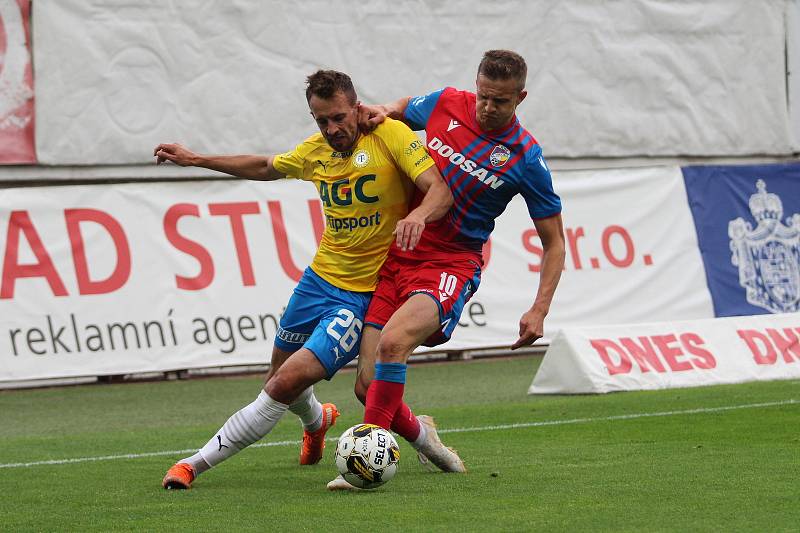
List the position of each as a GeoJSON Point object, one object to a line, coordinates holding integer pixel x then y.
{"type": "Point", "coordinates": [484, 169]}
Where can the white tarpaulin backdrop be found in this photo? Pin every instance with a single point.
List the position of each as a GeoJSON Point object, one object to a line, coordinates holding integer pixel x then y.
{"type": "Point", "coordinates": [620, 78]}
{"type": "Point", "coordinates": [162, 276]}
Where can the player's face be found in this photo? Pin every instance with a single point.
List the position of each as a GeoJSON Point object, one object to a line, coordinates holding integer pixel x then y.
{"type": "Point", "coordinates": [337, 119]}
{"type": "Point", "coordinates": [496, 101]}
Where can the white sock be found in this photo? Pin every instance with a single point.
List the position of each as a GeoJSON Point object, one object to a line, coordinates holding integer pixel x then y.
{"type": "Point", "coordinates": [308, 408]}
{"type": "Point", "coordinates": [198, 463]}
{"type": "Point", "coordinates": [423, 434]}
{"type": "Point", "coordinates": [242, 429]}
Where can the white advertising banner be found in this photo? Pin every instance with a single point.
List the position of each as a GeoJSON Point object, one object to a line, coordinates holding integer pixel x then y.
{"type": "Point", "coordinates": [623, 78]}
{"type": "Point", "coordinates": [631, 253]}
{"type": "Point", "coordinates": [115, 279]}
{"type": "Point", "coordinates": [148, 277]}
{"type": "Point", "coordinates": [671, 354]}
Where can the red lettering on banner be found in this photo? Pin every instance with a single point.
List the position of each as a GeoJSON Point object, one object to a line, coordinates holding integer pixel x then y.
{"type": "Point", "coordinates": [644, 354]}
{"type": "Point", "coordinates": [282, 241]}
{"type": "Point", "coordinates": [19, 221]}
{"type": "Point", "coordinates": [603, 347]}
{"type": "Point", "coordinates": [235, 211]}
{"type": "Point", "coordinates": [789, 345]}
{"type": "Point", "coordinates": [122, 270]}
{"type": "Point", "coordinates": [621, 258]}
{"type": "Point", "coordinates": [189, 247]}
{"type": "Point", "coordinates": [692, 343]}
{"type": "Point", "coordinates": [572, 241]}
{"type": "Point", "coordinates": [760, 346]}
{"type": "Point", "coordinates": [671, 353]}
{"type": "Point", "coordinates": [317, 222]}
{"type": "Point", "coordinates": [765, 346]}
{"type": "Point", "coordinates": [626, 239]}
{"type": "Point", "coordinates": [486, 253]}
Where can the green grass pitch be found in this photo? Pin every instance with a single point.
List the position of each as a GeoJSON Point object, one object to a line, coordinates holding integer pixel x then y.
{"type": "Point", "coordinates": [724, 458]}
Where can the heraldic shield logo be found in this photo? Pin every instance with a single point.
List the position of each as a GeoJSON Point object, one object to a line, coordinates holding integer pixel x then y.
{"type": "Point", "coordinates": [500, 154]}
{"type": "Point", "coordinates": [768, 255]}
{"type": "Point", "coordinates": [748, 229]}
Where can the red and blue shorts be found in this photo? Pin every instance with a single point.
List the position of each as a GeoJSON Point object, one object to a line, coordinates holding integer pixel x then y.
{"type": "Point", "coordinates": [450, 282]}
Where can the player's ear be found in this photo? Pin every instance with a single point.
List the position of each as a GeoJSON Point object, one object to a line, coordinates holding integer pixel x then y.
{"type": "Point", "coordinates": [522, 94]}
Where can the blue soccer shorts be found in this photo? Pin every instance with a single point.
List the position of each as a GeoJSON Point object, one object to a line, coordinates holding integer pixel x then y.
{"type": "Point", "coordinates": [325, 319]}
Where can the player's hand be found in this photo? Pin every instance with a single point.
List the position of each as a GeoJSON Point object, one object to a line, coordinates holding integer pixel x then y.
{"type": "Point", "coordinates": [178, 154]}
{"type": "Point", "coordinates": [408, 231]}
{"type": "Point", "coordinates": [369, 116]}
{"type": "Point", "coordinates": [531, 328]}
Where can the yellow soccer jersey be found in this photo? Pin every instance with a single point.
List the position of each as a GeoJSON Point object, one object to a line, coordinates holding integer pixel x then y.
{"type": "Point", "coordinates": [364, 194]}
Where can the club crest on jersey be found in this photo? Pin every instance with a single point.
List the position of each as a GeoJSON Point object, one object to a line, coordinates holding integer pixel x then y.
{"type": "Point", "coordinates": [499, 156]}
{"type": "Point", "coordinates": [768, 256]}
{"type": "Point", "coordinates": [360, 158]}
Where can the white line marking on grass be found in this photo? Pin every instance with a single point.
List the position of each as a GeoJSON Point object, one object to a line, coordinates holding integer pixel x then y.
{"type": "Point", "coordinates": [136, 455]}
{"type": "Point", "coordinates": [632, 416]}
{"type": "Point", "coordinates": [700, 410]}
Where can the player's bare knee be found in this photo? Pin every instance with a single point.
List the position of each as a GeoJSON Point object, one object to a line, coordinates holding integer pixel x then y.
{"type": "Point", "coordinates": [281, 388]}
{"type": "Point", "coordinates": [392, 348]}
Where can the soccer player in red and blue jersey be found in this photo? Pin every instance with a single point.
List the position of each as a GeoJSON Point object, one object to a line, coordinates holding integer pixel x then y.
{"type": "Point", "coordinates": [365, 184]}
{"type": "Point", "coordinates": [486, 157]}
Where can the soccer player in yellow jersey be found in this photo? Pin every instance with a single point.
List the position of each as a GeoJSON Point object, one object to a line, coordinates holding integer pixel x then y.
{"type": "Point", "coordinates": [365, 182]}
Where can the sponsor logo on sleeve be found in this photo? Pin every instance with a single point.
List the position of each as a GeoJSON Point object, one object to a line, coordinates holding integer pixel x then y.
{"type": "Point", "coordinates": [421, 160]}
{"type": "Point", "coordinates": [413, 147]}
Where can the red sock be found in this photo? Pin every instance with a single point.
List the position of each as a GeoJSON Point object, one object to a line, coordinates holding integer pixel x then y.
{"type": "Point", "coordinates": [405, 423]}
{"type": "Point", "coordinates": [383, 400]}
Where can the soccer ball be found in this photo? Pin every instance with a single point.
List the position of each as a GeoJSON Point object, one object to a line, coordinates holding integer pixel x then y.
{"type": "Point", "coordinates": [367, 456]}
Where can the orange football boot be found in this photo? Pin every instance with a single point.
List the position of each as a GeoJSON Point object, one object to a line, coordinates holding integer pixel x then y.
{"type": "Point", "coordinates": [314, 442]}
{"type": "Point", "coordinates": [180, 476]}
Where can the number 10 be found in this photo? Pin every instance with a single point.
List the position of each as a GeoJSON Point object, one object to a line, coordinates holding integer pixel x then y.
{"type": "Point", "coordinates": [448, 283]}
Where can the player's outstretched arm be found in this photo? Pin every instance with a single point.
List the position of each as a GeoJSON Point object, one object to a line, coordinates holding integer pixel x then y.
{"type": "Point", "coordinates": [369, 116]}
{"type": "Point", "coordinates": [253, 167]}
{"type": "Point", "coordinates": [531, 325]}
{"type": "Point", "coordinates": [437, 201]}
